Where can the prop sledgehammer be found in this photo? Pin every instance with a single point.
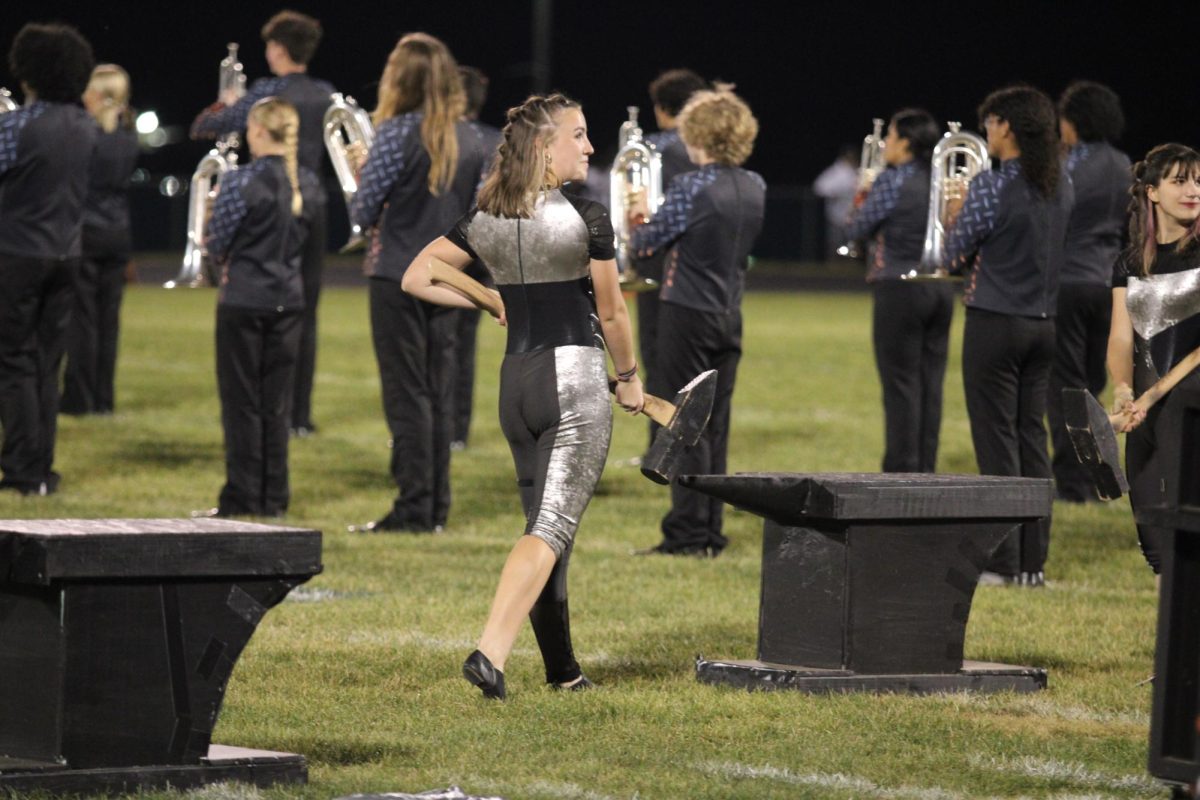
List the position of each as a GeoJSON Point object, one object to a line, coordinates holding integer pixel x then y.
{"type": "Point", "coordinates": [682, 421]}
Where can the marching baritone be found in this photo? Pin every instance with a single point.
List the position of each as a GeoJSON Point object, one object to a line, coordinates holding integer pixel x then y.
{"type": "Point", "coordinates": [45, 148]}
{"type": "Point", "coordinates": [911, 319]}
{"type": "Point", "coordinates": [291, 41]}
{"type": "Point", "coordinates": [1007, 237]}
{"type": "Point", "coordinates": [710, 218]}
{"type": "Point", "coordinates": [1090, 122]}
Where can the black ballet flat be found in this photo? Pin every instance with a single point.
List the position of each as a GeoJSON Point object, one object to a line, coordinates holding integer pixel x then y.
{"type": "Point", "coordinates": [581, 685]}
{"type": "Point", "coordinates": [482, 673]}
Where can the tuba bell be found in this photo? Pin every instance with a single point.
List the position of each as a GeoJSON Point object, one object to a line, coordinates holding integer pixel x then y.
{"type": "Point", "coordinates": [870, 164]}
{"type": "Point", "coordinates": [231, 87]}
{"type": "Point", "coordinates": [957, 158]}
{"type": "Point", "coordinates": [637, 169]}
{"type": "Point", "coordinates": [6, 101]}
{"type": "Point", "coordinates": [347, 124]}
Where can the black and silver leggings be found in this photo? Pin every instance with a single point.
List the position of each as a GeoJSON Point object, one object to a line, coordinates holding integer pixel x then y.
{"type": "Point", "coordinates": [556, 414]}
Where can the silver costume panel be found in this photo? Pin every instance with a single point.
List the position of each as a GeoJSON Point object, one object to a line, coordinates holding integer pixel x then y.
{"type": "Point", "coordinates": [580, 445]}
{"type": "Point", "coordinates": [553, 245]}
{"type": "Point", "coordinates": [1157, 302]}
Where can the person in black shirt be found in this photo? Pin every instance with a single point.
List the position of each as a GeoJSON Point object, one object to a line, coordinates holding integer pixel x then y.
{"type": "Point", "coordinates": [1090, 122]}
{"type": "Point", "coordinates": [1007, 236]}
{"type": "Point", "coordinates": [911, 319]}
{"type": "Point", "coordinates": [553, 258]}
{"type": "Point", "coordinates": [710, 218]}
{"type": "Point", "coordinates": [262, 218]}
{"type": "Point", "coordinates": [419, 177]}
{"type": "Point", "coordinates": [1156, 322]}
{"type": "Point", "coordinates": [100, 283]}
{"type": "Point", "coordinates": [45, 147]}
{"type": "Point", "coordinates": [291, 41]}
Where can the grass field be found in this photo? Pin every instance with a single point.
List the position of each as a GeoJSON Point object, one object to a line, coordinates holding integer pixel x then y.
{"type": "Point", "coordinates": [359, 670]}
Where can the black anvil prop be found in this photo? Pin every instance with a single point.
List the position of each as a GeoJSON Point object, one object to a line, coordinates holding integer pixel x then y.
{"type": "Point", "coordinates": [867, 579]}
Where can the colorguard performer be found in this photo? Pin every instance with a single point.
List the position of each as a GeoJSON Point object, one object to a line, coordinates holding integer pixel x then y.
{"type": "Point", "coordinates": [911, 319]}
{"type": "Point", "coordinates": [420, 176]}
{"type": "Point", "coordinates": [1008, 240]}
{"type": "Point", "coordinates": [45, 147]}
{"type": "Point", "coordinates": [710, 218]}
{"type": "Point", "coordinates": [263, 216]}
{"type": "Point", "coordinates": [1156, 321]}
{"type": "Point", "coordinates": [1090, 122]}
{"type": "Point", "coordinates": [552, 257]}
{"type": "Point", "coordinates": [291, 41]}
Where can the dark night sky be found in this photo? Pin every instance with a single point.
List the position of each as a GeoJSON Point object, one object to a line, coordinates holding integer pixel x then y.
{"type": "Point", "coordinates": [815, 75]}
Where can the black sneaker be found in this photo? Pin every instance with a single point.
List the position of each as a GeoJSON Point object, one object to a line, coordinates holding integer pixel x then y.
{"type": "Point", "coordinates": [390, 523]}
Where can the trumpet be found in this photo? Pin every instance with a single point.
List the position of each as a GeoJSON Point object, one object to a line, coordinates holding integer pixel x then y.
{"type": "Point", "coordinates": [231, 86]}
{"type": "Point", "coordinates": [346, 124]}
{"type": "Point", "coordinates": [636, 170]}
{"type": "Point", "coordinates": [6, 101]}
{"type": "Point", "coordinates": [870, 164]}
{"type": "Point", "coordinates": [957, 158]}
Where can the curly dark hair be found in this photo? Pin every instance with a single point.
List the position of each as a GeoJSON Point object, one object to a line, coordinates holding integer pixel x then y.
{"type": "Point", "coordinates": [53, 59]}
{"type": "Point", "coordinates": [298, 33]}
{"type": "Point", "coordinates": [1094, 110]}
{"type": "Point", "coordinates": [1031, 118]}
{"type": "Point", "coordinates": [920, 129]}
{"type": "Point", "coordinates": [1160, 164]}
{"type": "Point", "coordinates": [670, 90]}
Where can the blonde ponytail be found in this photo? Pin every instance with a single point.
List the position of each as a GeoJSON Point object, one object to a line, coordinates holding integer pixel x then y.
{"type": "Point", "coordinates": [111, 84]}
{"type": "Point", "coordinates": [281, 121]}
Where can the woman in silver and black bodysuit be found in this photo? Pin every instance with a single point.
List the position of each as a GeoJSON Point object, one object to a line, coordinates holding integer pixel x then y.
{"type": "Point", "coordinates": [552, 260]}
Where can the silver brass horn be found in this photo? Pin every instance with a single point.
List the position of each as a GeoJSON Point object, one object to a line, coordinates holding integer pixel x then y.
{"type": "Point", "coordinates": [231, 87]}
{"type": "Point", "coordinates": [957, 158]}
{"type": "Point", "coordinates": [346, 124]}
{"type": "Point", "coordinates": [6, 101]}
{"type": "Point", "coordinates": [637, 169]}
{"type": "Point", "coordinates": [870, 164]}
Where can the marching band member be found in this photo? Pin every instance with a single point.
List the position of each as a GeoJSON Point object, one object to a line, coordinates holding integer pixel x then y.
{"type": "Point", "coordinates": [420, 176]}
{"type": "Point", "coordinates": [45, 147]}
{"type": "Point", "coordinates": [911, 319]}
{"type": "Point", "coordinates": [710, 218]}
{"type": "Point", "coordinates": [291, 41]}
{"type": "Point", "coordinates": [1148, 293]}
{"type": "Point", "coordinates": [1090, 122]}
{"type": "Point", "coordinates": [1009, 240]}
{"type": "Point", "coordinates": [263, 215]}
{"type": "Point", "coordinates": [100, 283]}
{"type": "Point", "coordinates": [553, 258]}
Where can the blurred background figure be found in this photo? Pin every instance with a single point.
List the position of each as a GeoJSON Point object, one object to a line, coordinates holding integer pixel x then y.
{"type": "Point", "coordinates": [107, 241]}
{"type": "Point", "coordinates": [837, 184]}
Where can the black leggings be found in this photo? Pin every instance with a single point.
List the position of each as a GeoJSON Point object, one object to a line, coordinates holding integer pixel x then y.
{"type": "Point", "coordinates": [557, 417]}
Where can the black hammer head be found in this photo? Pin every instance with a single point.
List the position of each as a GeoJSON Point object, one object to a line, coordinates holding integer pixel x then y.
{"type": "Point", "coordinates": [1095, 442]}
{"type": "Point", "coordinates": [693, 405]}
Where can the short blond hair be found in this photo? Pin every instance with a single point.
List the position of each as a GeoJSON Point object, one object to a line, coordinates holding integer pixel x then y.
{"type": "Point", "coordinates": [721, 123]}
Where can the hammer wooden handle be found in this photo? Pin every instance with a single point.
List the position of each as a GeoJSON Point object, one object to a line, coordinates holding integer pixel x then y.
{"type": "Point", "coordinates": [1163, 385]}
{"type": "Point", "coordinates": [655, 408]}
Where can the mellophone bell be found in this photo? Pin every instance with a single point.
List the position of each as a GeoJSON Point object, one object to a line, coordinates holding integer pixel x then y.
{"type": "Point", "coordinates": [347, 125]}
{"type": "Point", "coordinates": [202, 191]}
{"type": "Point", "coordinates": [637, 170]}
{"type": "Point", "coordinates": [6, 101]}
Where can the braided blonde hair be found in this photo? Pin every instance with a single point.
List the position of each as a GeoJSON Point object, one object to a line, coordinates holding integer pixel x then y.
{"type": "Point", "coordinates": [522, 169]}
{"type": "Point", "coordinates": [111, 84]}
{"type": "Point", "coordinates": [282, 123]}
{"type": "Point", "coordinates": [422, 75]}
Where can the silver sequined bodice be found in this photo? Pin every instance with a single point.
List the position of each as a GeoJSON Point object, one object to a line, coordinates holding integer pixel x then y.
{"type": "Point", "coordinates": [550, 247]}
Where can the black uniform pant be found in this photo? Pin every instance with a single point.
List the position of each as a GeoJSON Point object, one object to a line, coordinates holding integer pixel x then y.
{"type": "Point", "coordinates": [36, 296]}
{"type": "Point", "coordinates": [256, 370]}
{"type": "Point", "coordinates": [911, 334]}
{"type": "Point", "coordinates": [1006, 367]}
{"type": "Point", "coordinates": [690, 342]}
{"type": "Point", "coordinates": [312, 261]}
{"type": "Point", "coordinates": [464, 359]}
{"type": "Point", "coordinates": [92, 337]}
{"type": "Point", "coordinates": [1081, 331]}
{"type": "Point", "coordinates": [414, 347]}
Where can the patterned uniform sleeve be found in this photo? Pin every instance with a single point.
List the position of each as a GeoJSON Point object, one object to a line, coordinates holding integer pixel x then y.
{"type": "Point", "coordinates": [11, 125]}
{"type": "Point", "coordinates": [671, 220]}
{"type": "Point", "coordinates": [880, 203]}
{"type": "Point", "coordinates": [228, 213]}
{"type": "Point", "coordinates": [458, 234]}
{"type": "Point", "coordinates": [974, 222]}
{"type": "Point", "coordinates": [218, 120]}
{"type": "Point", "coordinates": [384, 165]}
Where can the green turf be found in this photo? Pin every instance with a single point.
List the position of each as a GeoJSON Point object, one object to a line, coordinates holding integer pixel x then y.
{"type": "Point", "coordinates": [360, 671]}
